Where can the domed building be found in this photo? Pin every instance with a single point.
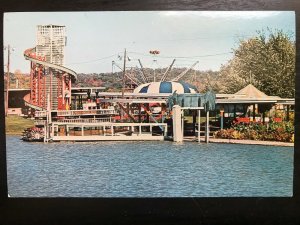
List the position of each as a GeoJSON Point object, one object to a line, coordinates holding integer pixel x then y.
{"type": "Point", "coordinates": [165, 87]}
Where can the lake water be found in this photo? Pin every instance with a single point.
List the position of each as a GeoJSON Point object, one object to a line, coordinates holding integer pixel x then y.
{"type": "Point", "coordinates": [147, 169]}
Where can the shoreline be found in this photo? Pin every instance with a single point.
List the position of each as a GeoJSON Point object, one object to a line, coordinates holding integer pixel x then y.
{"type": "Point", "coordinates": [227, 141]}
{"type": "Point", "coordinates": [252, 142]}
{"type": "Point", "coordinates": [14, 134]}
{"type": "Point", "coordinates": [244, 142]}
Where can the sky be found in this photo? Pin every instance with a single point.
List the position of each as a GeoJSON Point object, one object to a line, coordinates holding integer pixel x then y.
{"type": "Point", "coordinates": [95, 39]}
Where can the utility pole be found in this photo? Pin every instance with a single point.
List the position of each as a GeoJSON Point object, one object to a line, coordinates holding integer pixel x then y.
{"type": "Point", "coordinates": [154, 76]}
{"type": "Point", "coordinates": [7, 81]}
{"type": "Point", "coordinates": [124, 74]}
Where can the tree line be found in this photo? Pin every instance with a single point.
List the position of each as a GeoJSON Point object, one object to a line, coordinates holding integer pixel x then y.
{"type": "Point", "coordinates": [267, 61]}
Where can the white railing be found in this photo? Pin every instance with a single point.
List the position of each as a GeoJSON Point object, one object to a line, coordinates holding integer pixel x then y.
{"type": "Point", "coordinates": [86, 112]}
{"type": "Point", "coordinates": [40, 113]}
{"type": "Point", "coordinates": [90, 120]}
{"type": "Point", "coordinates": [39, 122]}
{"type": "Point", "coordinates": [129, 127]}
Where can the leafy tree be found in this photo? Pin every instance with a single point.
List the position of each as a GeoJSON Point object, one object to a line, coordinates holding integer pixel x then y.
{"type": "Point", "coordinates": [267, 61]}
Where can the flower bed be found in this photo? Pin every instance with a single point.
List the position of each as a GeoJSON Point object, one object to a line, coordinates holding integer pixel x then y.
{"type": "Point", "coordinates": [283, 131]}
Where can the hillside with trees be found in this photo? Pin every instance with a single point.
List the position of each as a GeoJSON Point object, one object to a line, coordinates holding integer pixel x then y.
{"type": "Point", "coordinates": [17, 80]}
{"type": "Point", "coordinates": [203, 80]}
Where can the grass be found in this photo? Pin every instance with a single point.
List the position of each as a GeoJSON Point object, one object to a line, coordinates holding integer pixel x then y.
{"type": "Point", "coordinates": [16, 124]}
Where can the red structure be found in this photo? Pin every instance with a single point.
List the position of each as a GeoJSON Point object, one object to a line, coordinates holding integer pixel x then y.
{"type": "Point", "coordinates": [49, 79]}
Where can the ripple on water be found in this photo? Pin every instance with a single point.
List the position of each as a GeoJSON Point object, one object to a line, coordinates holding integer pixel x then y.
{"type": "Point", "coordinates": [147, 169]}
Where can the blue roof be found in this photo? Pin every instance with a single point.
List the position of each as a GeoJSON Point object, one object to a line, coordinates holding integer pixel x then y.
{"type": "Point", "coordinates": [166, 87]}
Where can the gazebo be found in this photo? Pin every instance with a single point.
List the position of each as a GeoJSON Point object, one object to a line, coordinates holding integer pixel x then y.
{"type": "Point", "coordinates": [250, 97]}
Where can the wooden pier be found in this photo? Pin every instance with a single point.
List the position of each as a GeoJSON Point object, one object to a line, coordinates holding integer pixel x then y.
{"type": "Point", "coordinates": [106, 131]}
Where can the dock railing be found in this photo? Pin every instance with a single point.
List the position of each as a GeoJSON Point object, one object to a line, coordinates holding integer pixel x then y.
{"type": "Point", "coordinates": [86, 112]}
{"type": "Point", "coordinates": [89, 120]}
{"type": "Point", "coordinates": [40, 113]}
{"type": "Point", "coordinates": [78, 112]}
{"type": "Point", "coordinates": [112, 126]}
{"type": "Point", "coordinates": [40, 122]}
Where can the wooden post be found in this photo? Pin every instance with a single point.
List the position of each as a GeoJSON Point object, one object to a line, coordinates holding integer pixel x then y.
{"type": "Point", "coordinates": [52, 131]}
{"type": "Point", "coordinates": [165, 130]}
{"type": "Point", "coordinates": [127, 109]}
{"type": "Point", "coordinates": [140, 109]}
{"type": "Point", "coordinates": [244, 110]}
{"type": "Point", "coordinates": [287, 112]}
{"type": "Point", "coordinates": [182, 122]}
{"type": "Point", "coordinates": [148, 109]}
{"type": "Point", "coordinates": [207, 127]}
{"type": "Point", "coordinates": [177, 130]}
{"type": "Point", "coordinates": [222, 120]}
{"type": "Point", "coordinates": [222, 117]}
{"type": "Point", "coordinates": [234, 111]}
{"type": "Point", "coordinates": [45, 132]}
{"type": "Point", "coordinates": [162, 112]}
{"type": "Point", "coordinates": [112, 130]}
{"type": "Point", "coordinates": [194, 121]}
{"type": "Point", "coordinates": [124, 74]}
{"type": "Point", "coordinates": [199, 124]}
{"type": "Point", "coordinates": [253, 113]}
{"type": "Point", "coordinates": [82, 130]}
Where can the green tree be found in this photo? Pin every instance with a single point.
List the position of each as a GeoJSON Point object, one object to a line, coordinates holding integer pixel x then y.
{"type": "Point", "coordinates": [267, 61]}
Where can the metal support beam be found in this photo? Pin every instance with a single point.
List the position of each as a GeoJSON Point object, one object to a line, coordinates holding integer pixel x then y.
{"type": "Point", "coordinates": [126, 111]}
{"type": "Point", "coordinates": [184, 72]}
{"type": "Point", "coordinates": [163, 78]}
{"type": "Point", "coordinates": [143, 72]}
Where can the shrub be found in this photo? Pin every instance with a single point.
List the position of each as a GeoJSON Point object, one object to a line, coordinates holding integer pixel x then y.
{"type": "Point", "coordinates": [283, 131]}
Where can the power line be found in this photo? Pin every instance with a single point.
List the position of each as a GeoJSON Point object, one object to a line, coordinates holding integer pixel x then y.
{"type": "Point", "coordinates": [182, 57]}
{"type": "Point", "coordinates": [94, 60]}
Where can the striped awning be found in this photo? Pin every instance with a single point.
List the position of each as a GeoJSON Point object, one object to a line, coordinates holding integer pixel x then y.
{"type": "Point", "coordinates": [165, 87]}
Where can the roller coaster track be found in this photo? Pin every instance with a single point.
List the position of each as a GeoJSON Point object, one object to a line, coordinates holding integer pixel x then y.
{"type": "Point", "coordinates": [27, 103]}
{"type": "Point", "coordinates": [39, 83]}
{"type": "Point", "coordinates": [46, 64]}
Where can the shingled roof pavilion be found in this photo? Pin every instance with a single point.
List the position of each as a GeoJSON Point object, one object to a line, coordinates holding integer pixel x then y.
{"type": "Point", "coordinates": [251, 92]}
{"type": "Point", "coordinates": [252, 97]}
